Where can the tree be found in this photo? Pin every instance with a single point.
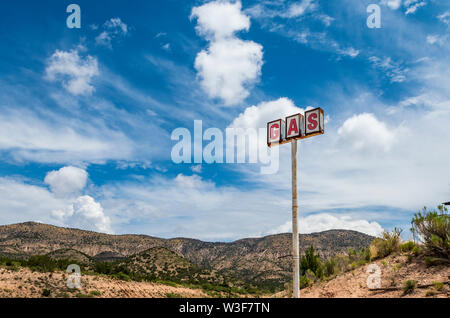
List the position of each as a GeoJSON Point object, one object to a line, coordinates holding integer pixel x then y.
{"type": "Point", "coordinates": [312, 262]}
{"type": "Point", "coordinates": [433, 228]}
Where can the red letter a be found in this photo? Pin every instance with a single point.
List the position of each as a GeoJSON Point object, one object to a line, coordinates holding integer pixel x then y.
{"type": "Point", "coordinates": [293, 127]}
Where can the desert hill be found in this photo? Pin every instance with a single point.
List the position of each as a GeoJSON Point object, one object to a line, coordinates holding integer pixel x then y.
{"type": "Point", "coordinates": [262, 261]}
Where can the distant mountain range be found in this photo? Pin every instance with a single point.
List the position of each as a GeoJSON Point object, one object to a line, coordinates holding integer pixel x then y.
{"type": "Point", "coordinates": [263, 260]}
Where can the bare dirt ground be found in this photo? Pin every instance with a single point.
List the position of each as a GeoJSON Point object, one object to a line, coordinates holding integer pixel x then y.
{"type": "Point", "coordinates": [29, 284]}
{"type": "Point", "coordinates": [395, 270]}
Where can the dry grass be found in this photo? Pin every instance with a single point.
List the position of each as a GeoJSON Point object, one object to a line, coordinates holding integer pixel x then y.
{"type": "Point", "coordinates": [25, 283]}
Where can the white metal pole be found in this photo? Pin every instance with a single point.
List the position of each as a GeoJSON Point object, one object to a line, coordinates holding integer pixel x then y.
{"type": "Point", "coordinates": [295, 244]}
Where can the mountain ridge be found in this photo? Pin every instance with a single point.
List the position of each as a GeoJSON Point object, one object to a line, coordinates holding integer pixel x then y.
{"type": "Point", "coordinates": [258, 260]}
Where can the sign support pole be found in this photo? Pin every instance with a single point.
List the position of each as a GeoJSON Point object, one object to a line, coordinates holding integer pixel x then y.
{"type": "Point", "coordinates": [295, 243]}
{"type": "Point", "coordinates": [279, 132]}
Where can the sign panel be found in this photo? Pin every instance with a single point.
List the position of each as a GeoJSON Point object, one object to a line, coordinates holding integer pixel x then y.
{"type": "Point", "coordinates": [275, 132]}
{"type": "Point", "coordinates": [314, 122]}
{"type": "Point", "coordinates": [295, 126]}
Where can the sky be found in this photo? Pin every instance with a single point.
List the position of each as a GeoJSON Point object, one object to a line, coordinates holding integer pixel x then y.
{"type": "Point", "coordinates": [88, 115]}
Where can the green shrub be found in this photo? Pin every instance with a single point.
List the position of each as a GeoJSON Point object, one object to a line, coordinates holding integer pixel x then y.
{"type": "Point", "coordinates": [432, 261]}
{"type": "Point", "coordinates": [407, 247]}
{"type": "Point", "coordinates": [122, 276]}
{"type": "Point", "coordinates": [42, 263]}
{"type": "Point", "coordinates": [433, 229]}
{"type": "Point", "coordinates": [46, 292]}
{"type": "Point", "coordinates": [330, 267]}
{"type": "Point", "coordinates": [95, 293]}
{"type": "Point", "coordinates": [438, 286]}
{"type": "Point", "coordinates": [386, 245]}
{"type": "Point", "coordinates": [173, 295]}
{"type": "Point", "coordinates": [304, 282]}
{"type": "Point", "coordinates": [416, 250]}
{"type": "Point", "coordinates": [309, 261]}
{"type": "Point", "coordinates": [409, 286]}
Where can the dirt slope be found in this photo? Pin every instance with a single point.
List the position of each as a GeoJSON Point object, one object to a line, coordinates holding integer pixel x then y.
{"type": "Point", "coordinates": [395, 270]}
{"type": "Point", "coordinates": [25, 283]}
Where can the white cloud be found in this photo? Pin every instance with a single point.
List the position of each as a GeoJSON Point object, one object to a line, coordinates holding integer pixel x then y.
{"type": "Point", "coordinates": [85, 213]}
{"type": "Point", "coordinates": [22, 202]}
{"type": "Point", "coordinates": [284, 10]}
{"type": "Point", "coordinates": [197, 168]}
{"type": "Point", "coordinates": [220, 19]}
{"type": "Point", "coordinates": [75, 72]}
{"type": "Point", "coordinates": [58, 139]}
{"type": "Point", "coordinates": [190, 206]}
{"type": "Point", "coordinates": [258, 116]}
{"type": "Point", "coordinates": [324, 222]}
{"type": "Point", "coordinates": [366, 132]}
{"type": "Point", "coordinates": [352, 52]}
{"type": "Point", "coordinates": [393, 70]}
{"type": "Point", "coordinates": [166, 46]}
{"type": "Point", "coordinates": [436, 39]}
{"type": "Point", "coordinates": [230, 65]}
{"type": "Point", "coordinates": [67, 180]}
{"type": "Point", "coordinates": [445, 17]}
{"type": "Point", "coordinates": [392, 4]}
{"type": "Point", "coordinates": [413, 5]}
{"type": "Point", "coordinates": [297, 9]}
{"type": "Point", "coordinates": [113, 28]}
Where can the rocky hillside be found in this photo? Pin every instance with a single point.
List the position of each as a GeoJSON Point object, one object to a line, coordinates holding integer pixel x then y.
{"type": "Point", "coordinates": [257, 260]}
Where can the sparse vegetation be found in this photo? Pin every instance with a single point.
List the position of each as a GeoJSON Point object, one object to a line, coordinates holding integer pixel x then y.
{"type": "Point", "coordinates": [407, 246]}
{"type": "Point", "coordinates": [386, 245]}
{"type": "Point", "coordinates": [95, 293]}
{"type": "Point", "coordinates": [433, 229]}
{"type": "Point", "coordinates": [46, 292]}
{"type": "Point", "coordinates": [438, 286]}
{"type": "Point", "coordinates": [173, 295]}
{"type": "Point", "coordinates": [409, 286]}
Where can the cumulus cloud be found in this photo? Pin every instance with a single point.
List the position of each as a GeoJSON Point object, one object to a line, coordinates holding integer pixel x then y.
{"type": "Point", "coordinates": [25, 202]}
{"type": "Point", "coordinates": [259, 115]}
{"type": "Point", "coordinates": [81, 211]}
{"type": "Point", "coordinates": [73, 71]}
{"type": "Point", "coordinates": [20, 202]}
{"type": "Point", "coordinates": [112, 29]}
{"type": "Point", "coordinates": [220, 19]}
{"type": "Point", "coordinates": [366, 132]}
{"type": "Point", "coordinates": [229, 65]}
{"type": "Point", "coordinates": [85, 213]}
{"type": "Point", "coordinates": [324, 221]}
{"type": "Point", "coordinates": [67, 180]}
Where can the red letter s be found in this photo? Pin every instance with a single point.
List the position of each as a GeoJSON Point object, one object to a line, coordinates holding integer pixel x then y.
{"type": "Point", "coordinates": [312, 120]}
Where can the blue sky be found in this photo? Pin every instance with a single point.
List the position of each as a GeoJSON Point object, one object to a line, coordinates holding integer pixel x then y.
{"type": "Point", "coordinates": [87, 114]}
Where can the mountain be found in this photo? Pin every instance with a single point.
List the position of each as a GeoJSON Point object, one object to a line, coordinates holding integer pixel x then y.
{"type": "Point", "coordinates": [257, 260]}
